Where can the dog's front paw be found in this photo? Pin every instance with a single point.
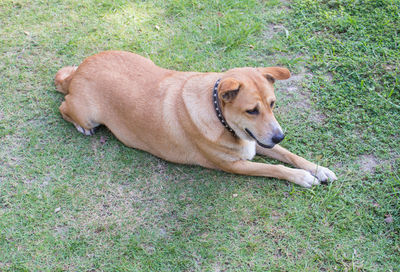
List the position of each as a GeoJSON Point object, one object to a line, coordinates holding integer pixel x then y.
{"type": "Point", "coordinates": [304, 178]}
{"type": "Point", "coordinates": [323, 174]}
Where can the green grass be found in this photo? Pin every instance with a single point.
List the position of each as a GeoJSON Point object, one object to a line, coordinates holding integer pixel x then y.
{"type": "Point", "coordinates": [75, 203]}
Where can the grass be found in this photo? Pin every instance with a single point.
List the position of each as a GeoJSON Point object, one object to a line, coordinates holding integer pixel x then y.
{"type": "Point", "coordinates": [75, 203]}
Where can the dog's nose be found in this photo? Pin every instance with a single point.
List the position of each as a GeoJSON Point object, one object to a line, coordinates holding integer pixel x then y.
{"type": "Point", "coordinates": [278, 137]}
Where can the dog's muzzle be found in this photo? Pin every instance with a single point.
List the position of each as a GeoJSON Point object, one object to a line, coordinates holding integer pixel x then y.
{"type": "Point", "coordinates": [258, 142]}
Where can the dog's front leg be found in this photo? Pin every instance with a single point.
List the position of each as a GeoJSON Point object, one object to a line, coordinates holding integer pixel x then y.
{"type": "Point", "coordinates": [279, 153]}
{"type": "Point", "coordinates": [298, 176]}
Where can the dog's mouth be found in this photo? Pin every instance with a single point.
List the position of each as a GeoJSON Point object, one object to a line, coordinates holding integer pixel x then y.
{"type": "Point", "coordinates": [258, 142]}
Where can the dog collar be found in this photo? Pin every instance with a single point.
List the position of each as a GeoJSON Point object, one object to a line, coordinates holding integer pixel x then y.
{"type": "Point", "coordinates": [218, 110]}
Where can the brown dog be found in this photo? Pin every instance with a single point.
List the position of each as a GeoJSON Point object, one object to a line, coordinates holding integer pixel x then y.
{"type": "Point", "coordinates": [216, 120]}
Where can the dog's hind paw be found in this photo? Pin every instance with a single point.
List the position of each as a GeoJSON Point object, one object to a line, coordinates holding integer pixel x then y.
{"type": "Point", "coordinates": [87, 132]}
{"type": "Point", "coordinates": [324, 175]}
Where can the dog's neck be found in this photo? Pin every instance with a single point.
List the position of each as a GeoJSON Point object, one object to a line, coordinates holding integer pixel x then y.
{"type": "Point", "coordinates": [218, 109]}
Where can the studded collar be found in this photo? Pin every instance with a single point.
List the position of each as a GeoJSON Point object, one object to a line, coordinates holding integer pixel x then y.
{"type": "Point", "coordinates": [218, 110]}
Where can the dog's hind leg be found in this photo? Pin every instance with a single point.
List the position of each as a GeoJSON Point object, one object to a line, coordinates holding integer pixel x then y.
{"type": "Point", "coordinates": [78, 115]}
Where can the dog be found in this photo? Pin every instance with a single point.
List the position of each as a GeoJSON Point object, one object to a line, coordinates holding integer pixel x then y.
{"type": "Point", "coordinates": [216, 120]}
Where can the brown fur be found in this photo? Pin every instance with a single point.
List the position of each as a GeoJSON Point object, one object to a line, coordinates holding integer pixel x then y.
{"type": "Point", "coordinates": [171, 115]}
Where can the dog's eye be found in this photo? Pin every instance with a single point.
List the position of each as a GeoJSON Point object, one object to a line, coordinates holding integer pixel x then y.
{"type": "Point", "coordinates": [253, 111]}
{"type": "Point", "coordinates": [272, 104]}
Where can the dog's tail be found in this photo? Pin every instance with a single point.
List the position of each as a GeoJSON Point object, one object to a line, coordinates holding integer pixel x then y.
{"type": "Point", "coordinates": [63, 78]}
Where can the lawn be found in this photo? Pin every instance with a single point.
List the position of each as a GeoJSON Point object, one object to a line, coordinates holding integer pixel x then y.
{"type": "Point", "coordinates": [75, 203]}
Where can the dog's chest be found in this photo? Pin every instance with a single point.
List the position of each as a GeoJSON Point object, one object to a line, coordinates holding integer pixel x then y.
{"type": "Point", "coordinates": [248, 150]}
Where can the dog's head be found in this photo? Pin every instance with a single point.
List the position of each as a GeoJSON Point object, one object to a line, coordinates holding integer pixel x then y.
{"type": "Point", "coordinates": [248, 99]}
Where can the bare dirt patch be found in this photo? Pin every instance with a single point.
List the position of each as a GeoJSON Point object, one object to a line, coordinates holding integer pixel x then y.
{"type": "Point", "coordinates": [295, 98]}
{"type": "Point", "coordinates": [368, 163]}
{"type": "Point", "coordinates": [274, 29]}
{"type": "Point", "coordinates": [291, 95]}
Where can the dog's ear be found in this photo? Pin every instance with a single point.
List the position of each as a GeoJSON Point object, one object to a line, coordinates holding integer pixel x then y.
{"type": "Point", "coordinates": [272, 73]}
{"type": "Point", "coordinates": [228, 89]}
